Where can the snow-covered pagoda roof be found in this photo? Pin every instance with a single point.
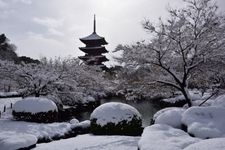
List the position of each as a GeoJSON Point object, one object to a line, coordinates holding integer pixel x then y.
{"type": "Point", "coordinates": [94, 37]}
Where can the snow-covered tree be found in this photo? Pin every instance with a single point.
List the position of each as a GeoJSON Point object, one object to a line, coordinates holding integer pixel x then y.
{"type": "Point", "coordinates": [192, 37]}
{"type": "Point", "coordinates": [7, 50]}
{"type": "Point", "coordinates": [64, 79]}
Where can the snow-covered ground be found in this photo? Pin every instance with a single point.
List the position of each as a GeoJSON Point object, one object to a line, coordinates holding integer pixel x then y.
{"type": "Point", "coordinates": [202, 122]}
{"type": "Point", "coordinates": [7, 102]}
{"type": "Point", "coordinates": [90, 142]}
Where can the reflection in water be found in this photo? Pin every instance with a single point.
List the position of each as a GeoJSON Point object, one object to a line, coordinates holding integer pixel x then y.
{"type": "Point", "coordinates": [146, 108]}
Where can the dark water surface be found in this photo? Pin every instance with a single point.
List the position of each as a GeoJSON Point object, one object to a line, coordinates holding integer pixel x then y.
{"type": "Point", "coordinates": [146, 108]}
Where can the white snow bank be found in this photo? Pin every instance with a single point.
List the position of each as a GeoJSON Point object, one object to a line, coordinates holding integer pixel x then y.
{"type": "Point", "coordinates": [90, 142]}
{"type": "Point", "coordinates": [170, 116]}
{"type": "Point", "coordinates": [114, 112]}
{"type": "Point", "coordinates": [35, 105]}
{"type": "Point", "coordinates": [210, 144]}
{"type": "Point", "coordinates": [205, 122]}
{"type": "Point", "coordinates": [164, 137]}
{"type": "Point", "coordinates": [13, 140]}
{"type": "Point", "coordinates": [39, 130]}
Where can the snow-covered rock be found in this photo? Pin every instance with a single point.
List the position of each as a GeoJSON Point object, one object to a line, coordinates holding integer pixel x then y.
{"type": "Point", "coordinates": [164, 137]}
{"type": "Point", "coordinates": [13, 141]}
{"type": "Point", "coordinates": [115, 118]}
{"type": "Point", "coordinates": [170, 116]}
{"type": "Point", "coordinates": [209, 144]}
{"type": "Point", "coordinates": [35, 105]}
{"type": "Point", "coordinates": [35, 109]}
{"type": "Point", "coordinates": [205, 122]}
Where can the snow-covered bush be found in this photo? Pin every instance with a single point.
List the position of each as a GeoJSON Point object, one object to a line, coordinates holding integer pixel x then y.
{"type": "Point", "coordinates": [164, 137]}
{"type": "Point", "coordinates": [205, 122]}
{"type": "Point", "coordinates": [170, 116]}
{"type": "Point", "coordinates": [116, 118]}
{"type": "Point", "coordinates": [12, 141]}
{"type": "Point", "coordinates": [35, 109]}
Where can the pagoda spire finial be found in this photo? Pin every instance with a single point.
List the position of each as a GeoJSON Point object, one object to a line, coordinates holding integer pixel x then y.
{"type": "Point", "coordinates": [94, 24]}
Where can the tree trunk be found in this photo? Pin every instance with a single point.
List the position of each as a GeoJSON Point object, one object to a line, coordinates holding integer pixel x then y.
{"type": "Point", "coordinates": [37, 94]}
{"type": "Point", "coordinates": [187, 96]}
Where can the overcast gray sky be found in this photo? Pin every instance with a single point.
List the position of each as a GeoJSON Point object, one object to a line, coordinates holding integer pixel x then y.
{"type": "Point", "coordinates": [52, 28]}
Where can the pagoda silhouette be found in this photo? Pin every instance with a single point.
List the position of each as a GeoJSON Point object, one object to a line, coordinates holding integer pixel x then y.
{"type": "Point", "coordinates": [94, 49]}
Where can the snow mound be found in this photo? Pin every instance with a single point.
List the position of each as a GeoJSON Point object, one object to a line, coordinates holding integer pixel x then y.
{"type": "Point", "coordinates": [116, 119]}
{"type": "Point", "coordinates": [170, 116]}
{"type": "Point", "coordinates": [74, 121]}
{"type": "Point", "coordinates": [114, 112]}
{"type": "Point", "coordinates": [85, 124]}
{"type": "Point", "coordinates": [205, 122]}
{"type": "Point", "coordinates": [210, 144]}
{"type": "Point", "coordinates": [39, 130]}
{"type": "Point", "coordinates": [219, 101]}
{"type": "Point", "coordinates": [13, 140]}
{"type": "Point", "coordinates": [164, 137]}
{"type": "Point", "coordinates": [35, 105]}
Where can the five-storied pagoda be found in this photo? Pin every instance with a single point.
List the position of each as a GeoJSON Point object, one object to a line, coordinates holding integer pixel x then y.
{"type": "Point", "coordinates": [94, 49]}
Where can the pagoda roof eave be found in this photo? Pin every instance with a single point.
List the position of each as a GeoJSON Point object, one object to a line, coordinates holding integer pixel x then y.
{"type": "Point", "coordinates": [93, 37]}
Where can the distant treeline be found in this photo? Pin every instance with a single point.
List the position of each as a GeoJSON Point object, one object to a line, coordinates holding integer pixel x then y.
{"type": "Point", "coordinates": [7, 52]}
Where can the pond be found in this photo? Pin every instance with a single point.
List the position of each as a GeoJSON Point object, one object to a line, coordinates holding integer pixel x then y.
{"type": "Point", "coordinates": [146, 108]}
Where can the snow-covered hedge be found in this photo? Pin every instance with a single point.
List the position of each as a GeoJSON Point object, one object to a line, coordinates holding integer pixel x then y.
{"type": "Point", "coordinates": [164, 137]}
{"type": "Point", "coordinates": [205, 122]}
{"type": "Point", "coordinates": [116, 118]}
{"type": "Point", "coordinates": [36, 110]}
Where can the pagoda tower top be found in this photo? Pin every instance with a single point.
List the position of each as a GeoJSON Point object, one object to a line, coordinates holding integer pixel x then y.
{"type": "Point", "coordinates": [94, 37]}
{"type": "Point", "coordinates": [94, 24]}
{"type": "Point", "coordinates": [94, 48]}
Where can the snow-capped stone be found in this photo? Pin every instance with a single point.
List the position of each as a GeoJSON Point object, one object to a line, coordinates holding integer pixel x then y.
{"type": "Point", "coordinates": [205, 122]}
{"type": "Point", "coordinates": [13, 140]}
{"type": "Point", "coordinates": [164, 137]}
{"type": "Point", "coordinates": [35, 105]}
{"type": "Point", "coordinates": [114, 112]}
{"type": "Point", "coordinates": [170, 116]}
{"type": "Point", "coordinates": [209, 144]}
{"type": "Point", "coordinates": [74, 121]}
